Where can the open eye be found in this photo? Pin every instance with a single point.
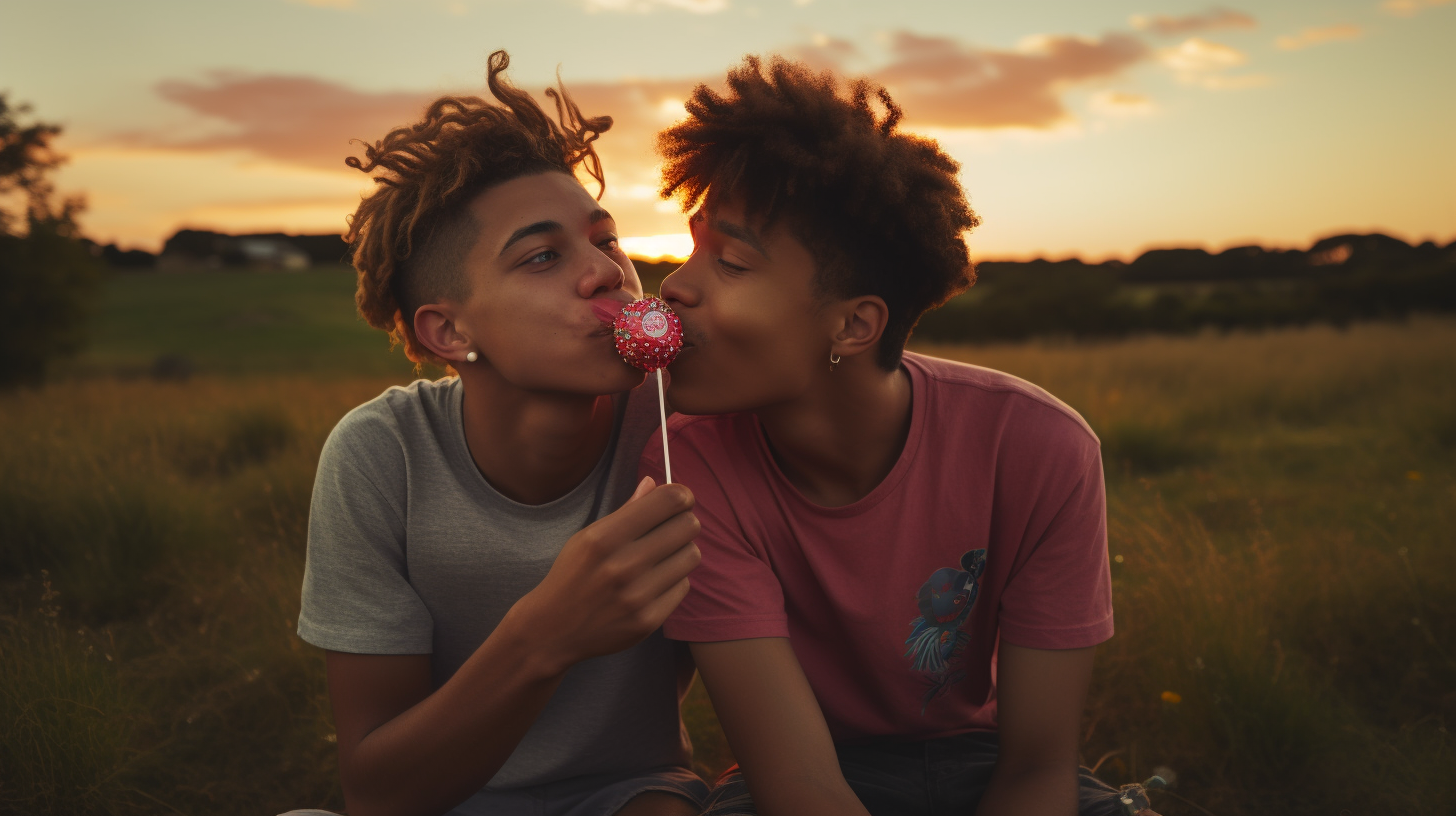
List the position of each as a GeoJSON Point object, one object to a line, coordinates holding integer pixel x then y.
{"type": "Point", "coordinates": [544, 256]}
{"type": "Point", "coordinates": [608, 244]}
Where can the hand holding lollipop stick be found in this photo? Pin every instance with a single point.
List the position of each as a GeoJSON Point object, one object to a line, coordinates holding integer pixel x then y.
{"type": "Point", "coordinates": [648, 337]}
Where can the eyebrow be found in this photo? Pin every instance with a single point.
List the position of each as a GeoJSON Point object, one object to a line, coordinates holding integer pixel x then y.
{"type": "Point", "coordinates": [539, 227]}
{"type": "Point", "coordinates": [532, 229]}
{"type": "Point", "coordinates": [742, 233]}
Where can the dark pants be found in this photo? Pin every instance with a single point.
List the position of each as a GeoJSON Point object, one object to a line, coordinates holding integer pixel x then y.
{"type": "Point", "coordinates": [938, 777]}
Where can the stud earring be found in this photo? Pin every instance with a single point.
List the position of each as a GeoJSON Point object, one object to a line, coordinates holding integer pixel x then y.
{"type": "Point", "coordinates": [472, 357]}
{"type": "Point", "coordinates": [833, 360]}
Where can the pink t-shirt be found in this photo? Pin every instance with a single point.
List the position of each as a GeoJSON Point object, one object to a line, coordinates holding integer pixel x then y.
{"type": "Point", "coordinates": [992, 523]}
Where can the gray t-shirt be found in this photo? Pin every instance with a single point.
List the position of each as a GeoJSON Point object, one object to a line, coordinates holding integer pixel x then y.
{"type": "Point", "coordinates": [411, 551]}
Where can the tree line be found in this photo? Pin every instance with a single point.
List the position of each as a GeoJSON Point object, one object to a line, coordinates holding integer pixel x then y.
{"type": "Point", "coordinates": [1338, 280]}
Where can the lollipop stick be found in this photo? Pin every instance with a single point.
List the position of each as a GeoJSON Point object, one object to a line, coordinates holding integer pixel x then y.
{"type": "Point", "coordinates": [662, 411]}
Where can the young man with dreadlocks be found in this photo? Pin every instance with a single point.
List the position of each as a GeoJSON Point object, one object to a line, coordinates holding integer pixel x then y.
{"type": "Point", "coordinates": [904, 561]}
{"type": "Point", "coordinates": [486, 572]}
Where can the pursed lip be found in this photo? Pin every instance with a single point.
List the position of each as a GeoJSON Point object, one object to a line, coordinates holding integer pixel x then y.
{"type": "Point", "coordinates": [606, 311]}
{"type": "Point", "coordinates": [690, 335]}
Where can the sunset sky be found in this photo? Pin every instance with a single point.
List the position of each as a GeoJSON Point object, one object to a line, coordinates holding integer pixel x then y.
{"type": "Point", "coordinates": [1082, 126]}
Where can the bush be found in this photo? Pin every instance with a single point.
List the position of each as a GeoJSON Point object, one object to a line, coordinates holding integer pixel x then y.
{"type": "Point", "coordinates": [47, 284]}
{"type": "Point", "coordinates": [47, 275]}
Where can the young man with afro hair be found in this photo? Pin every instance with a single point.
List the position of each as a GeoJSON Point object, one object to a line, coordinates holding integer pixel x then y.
{"type": "Point", "coordinates": [904, 561]}
{"type": "Point", "coordinates": [486, 572]}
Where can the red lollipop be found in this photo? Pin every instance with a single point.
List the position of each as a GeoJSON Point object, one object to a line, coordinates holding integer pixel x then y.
{"type": "Point", "coordinates": [648, 337]}
{"type": "Point", "coordinates": [648, 334]}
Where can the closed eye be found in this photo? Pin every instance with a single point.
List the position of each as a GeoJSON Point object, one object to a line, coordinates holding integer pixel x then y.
{"type": "Point", "coordinates": [734, 269]}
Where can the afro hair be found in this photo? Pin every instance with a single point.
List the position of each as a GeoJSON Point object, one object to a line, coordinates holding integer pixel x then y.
{"type": "Point", "coordinates": [882, 211]}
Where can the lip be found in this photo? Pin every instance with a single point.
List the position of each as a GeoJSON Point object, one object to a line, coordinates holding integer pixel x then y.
{"type": "Point", "coordinates": [606, 310]}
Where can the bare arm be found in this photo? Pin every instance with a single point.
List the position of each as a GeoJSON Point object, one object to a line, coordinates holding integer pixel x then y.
{"type": "Point", "coordinates": [404, 751]}
{"type": "Point", "coordinates": [1039, 694]}
{"type": "Point", "coordinates": [775, 728]}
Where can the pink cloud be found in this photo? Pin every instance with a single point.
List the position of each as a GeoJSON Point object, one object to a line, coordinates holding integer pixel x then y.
{"type": "Point", "coordinates": [940, 82]}
{"type": "Point", "coordinates": [294, 119]}
{"type": "Point", "coordinates": [937, 80]}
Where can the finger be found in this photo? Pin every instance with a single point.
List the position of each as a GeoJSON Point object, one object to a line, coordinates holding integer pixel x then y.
{"type": "Point", "coordinates": [662, 606]}
{"type": "Point", "coordinates": [663, 576]}
{"type": "Point", "coordinates": [662, 541]}
{"type": "Point", "coordinates": [632, 521]}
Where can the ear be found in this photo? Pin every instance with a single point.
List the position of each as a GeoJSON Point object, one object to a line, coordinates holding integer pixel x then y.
{"type": "Point", "coordinates": [435, 329]}
{"type": "Point", "coordinates": [861, 322]}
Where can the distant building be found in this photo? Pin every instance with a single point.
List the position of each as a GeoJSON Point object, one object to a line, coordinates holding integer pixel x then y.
{"type": "Point", "coordinates": [194, 249]}
{"type": "Point", "coordinates": [273, 253]}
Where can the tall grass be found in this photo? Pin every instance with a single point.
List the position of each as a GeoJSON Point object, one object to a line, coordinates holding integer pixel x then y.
{"type": "Point", "coordinates": [1280, 508]}
{"type": "Point", "coordinates": [169, 520]}
{"type": "Point", "coordinates": [1280, 512]}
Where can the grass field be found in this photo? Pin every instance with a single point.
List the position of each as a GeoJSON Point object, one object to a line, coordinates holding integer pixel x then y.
{"type": "Point", "coordinates": [1280, 505]}
{"type": "Point", "coordinates": [237, 322]}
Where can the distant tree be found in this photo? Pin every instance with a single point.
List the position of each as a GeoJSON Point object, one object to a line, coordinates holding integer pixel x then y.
{"type": "Point", "coordinates": [48, 276]}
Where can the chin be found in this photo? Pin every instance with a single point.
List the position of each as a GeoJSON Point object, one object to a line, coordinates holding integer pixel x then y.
{"type": "Point", "coordinates": [619, 381]}
{"type": "Point", "coordinates": [694, 402]}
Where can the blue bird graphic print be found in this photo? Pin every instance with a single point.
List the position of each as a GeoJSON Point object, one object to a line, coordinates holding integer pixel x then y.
{"type": "Point", "coordinates": [937, 641]}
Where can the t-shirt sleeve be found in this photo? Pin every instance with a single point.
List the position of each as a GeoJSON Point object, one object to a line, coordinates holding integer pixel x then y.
{"type": "Point", "coordinates": [734, 593]}
{"type": "Point", "coordinates": [1059, 594]}
{"type": "Point", "coordinates": [356, 592]}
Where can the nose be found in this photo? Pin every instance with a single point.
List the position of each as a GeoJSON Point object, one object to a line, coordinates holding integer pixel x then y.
{"type": "Point", "coordinates": [679, 289]}
{"type": "Point", "coordinates": [602, 275]}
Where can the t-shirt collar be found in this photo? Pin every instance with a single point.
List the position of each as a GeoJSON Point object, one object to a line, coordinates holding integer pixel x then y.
{"type": "Point", "coordinates": [919, 397]}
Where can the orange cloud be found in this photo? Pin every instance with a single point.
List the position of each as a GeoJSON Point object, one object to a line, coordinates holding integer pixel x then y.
{"type": "Point", "coordinates": [1174, 26]}
{"type": "Point", "coordinates": [1197, 61]}
{"type": "Point", "coordinates": [1409, 8]}
{"type": "Point", "coordinates": [1121, 103]}
{"type": "Point", "coordinates": [1315, 36]}
{"type": "Point", "coordinates": [939, 82]}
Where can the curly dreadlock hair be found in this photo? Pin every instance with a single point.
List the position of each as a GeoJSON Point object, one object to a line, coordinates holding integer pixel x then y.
{"type": "Point", "coordinates": [411, 235]}
{"type": "Point", "coordinates": [881, 211]}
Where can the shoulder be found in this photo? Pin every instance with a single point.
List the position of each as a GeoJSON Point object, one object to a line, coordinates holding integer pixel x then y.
{"type": "Point", "coordinates": [1023, 411]}
{"type": "Point", "coordinates": [383, 425]}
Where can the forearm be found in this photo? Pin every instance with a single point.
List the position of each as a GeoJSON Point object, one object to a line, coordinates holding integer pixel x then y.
{"type": "Point", "coordinates": [1035, 790]}
{"type": "Point", "coordinates": [442, 750]}
{"type": "Point", "coordinates": [775, 728]}
{"type": "Point", "coordinates": [805, 795]}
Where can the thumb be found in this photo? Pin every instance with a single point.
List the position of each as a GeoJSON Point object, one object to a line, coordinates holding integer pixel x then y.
{"type": "Point", "coordinates": [643, 488]}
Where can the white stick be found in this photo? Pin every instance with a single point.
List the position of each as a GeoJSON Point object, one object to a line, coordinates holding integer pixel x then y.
{"type": "Point", "coordinates": [662, 411]}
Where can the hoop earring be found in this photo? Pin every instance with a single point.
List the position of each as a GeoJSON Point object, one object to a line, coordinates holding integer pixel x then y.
{"type": "Point", "coordinates": [833, 360]}
{"type": "Point", "coordinates": [472, 357]}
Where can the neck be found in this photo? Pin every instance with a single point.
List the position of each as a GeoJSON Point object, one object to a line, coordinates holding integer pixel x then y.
{"type": "Point", "coordinates": [532, 446]}
{"type": "Point", "coordinates": [839, 440]}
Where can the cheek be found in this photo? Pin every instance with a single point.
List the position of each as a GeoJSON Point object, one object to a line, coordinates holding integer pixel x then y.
{"type": "Point", "coordinates": [519, 330]}
{"type": "Point", "coordinates": [767, 350]}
